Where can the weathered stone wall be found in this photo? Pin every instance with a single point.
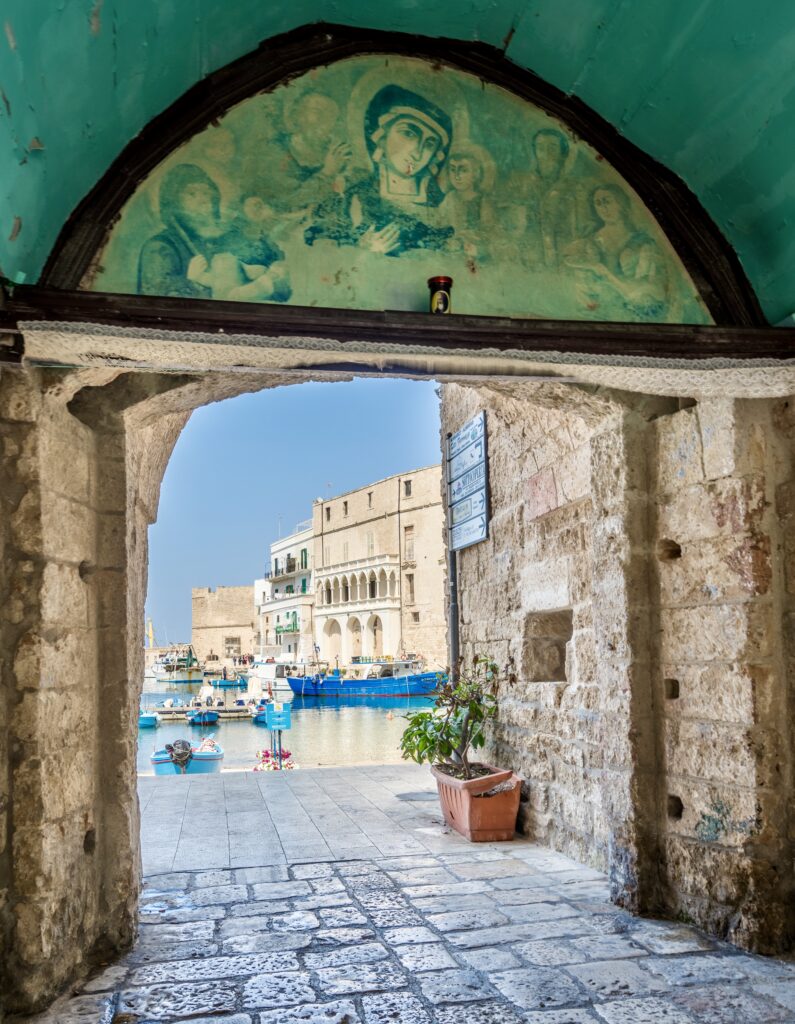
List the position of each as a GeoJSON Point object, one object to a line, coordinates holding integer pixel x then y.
{"type": "Point", "coordinates": [62, 529]}
{"type": "Point", "coordinates": [723, 497]}
{"type": "Point", "coordinates": [638, 587]}
{"type": "Point", "coordinates": [636, 581]}
{"type": "Point", "coordinates": [221, 612]}
{"type": "Point", "coordinates": [548, 595]}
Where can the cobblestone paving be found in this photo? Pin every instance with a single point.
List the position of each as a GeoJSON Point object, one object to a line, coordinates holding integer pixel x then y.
{"type": "Point", "coordinates": [463, 935]}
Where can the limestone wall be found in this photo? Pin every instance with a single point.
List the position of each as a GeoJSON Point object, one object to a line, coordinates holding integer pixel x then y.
{"type": "Point", "coordinates": [221, 612]}
{"type": "Point", "coordinates": [64, 558]}
{"type": "Point", "coordinates": [527, 597]}
{"type": "Point", "coordinates": [638, 587]}
{"type": "Point", "coordinates": [724, 504]}
{"type": "Point", "coordinates": [634, 587]}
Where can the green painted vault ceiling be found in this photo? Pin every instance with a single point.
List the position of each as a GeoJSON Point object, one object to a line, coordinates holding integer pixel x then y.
{"type": "Point", "coordinates": [707, 87]}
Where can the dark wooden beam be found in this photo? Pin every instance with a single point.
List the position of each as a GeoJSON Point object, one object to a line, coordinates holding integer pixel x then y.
{"type": "Point", "coordinates": [454, 333]}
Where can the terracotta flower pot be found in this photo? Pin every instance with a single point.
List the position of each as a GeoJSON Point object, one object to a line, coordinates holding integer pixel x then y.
{"type": "Point", "coordinates": [470, 809]}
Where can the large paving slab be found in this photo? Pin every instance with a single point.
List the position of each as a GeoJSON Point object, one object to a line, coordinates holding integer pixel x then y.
{"type": "Point", "coordinates": [418, 927]}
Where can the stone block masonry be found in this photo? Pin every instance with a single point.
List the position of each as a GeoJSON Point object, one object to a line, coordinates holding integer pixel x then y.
{"type": "Point", "coordinates": [638, 588]}
{"type": "Point", "coordinates": [638, 581]}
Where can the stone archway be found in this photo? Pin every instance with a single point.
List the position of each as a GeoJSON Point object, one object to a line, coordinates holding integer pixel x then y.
{"type": "Point", "coordinates": [84, 455]}
{"type": "Point", "coordinates": [332, 641]}
{"type": "Point", "coordinates": [354, 634]}
{"type": "Point", "coordinates": [99, 441]}
{"type": "Point", "coordinates": [375, 636]}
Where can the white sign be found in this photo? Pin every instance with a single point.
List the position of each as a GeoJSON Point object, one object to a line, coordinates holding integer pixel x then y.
{"type": "Point", "coordinates": [466, 459]}
{"type": "Point", "coordinates": [472, 431]}
{"type": "Point", "coordinates": [474, 505]}
{"type": "Point", "coordinates": [465, 485]}
{"type": "Point", "coordinates": [467, 477]}
{"type": "Point", "coordinates": [470, 532]}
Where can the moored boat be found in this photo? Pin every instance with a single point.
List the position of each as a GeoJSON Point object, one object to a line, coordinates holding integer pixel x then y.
{"type": "Point", "coordinates": [148, 719]}
{"type": "Point", "coordinates": [235, 683]}
{"type": "Point", "coordinates": [267, 677]}
{"type": "Point", "coordinates": [202, 716]}
{"type": "Point", "coordinates": [384, 679]}
{"type": "Point", "coordinates": [181, 759]}
{"type": "Point", "coordinates": [259, 715]}
{"type": "Point", "coordinates": [179, 665]}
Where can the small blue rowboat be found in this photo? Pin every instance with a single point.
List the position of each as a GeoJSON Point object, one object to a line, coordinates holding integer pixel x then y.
{"type": "Point", "coordinates": [202, 717]}
{"type": "Point", "coordinates": [148, 719]}
{"type": "Point", "coordinates": [201, 762]}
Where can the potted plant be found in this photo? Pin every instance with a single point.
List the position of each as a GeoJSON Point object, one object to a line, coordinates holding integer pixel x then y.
{"type": "Point", "coordinates": [478, 800]}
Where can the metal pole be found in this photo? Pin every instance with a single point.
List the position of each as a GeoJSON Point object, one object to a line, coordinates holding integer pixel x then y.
{"type": "Point", "coordinates": [452, 569]}
{"type": "Point", "coordinates": [452, 577]}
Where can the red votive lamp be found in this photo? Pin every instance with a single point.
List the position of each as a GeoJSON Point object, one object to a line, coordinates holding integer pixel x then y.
{"type": "Point", "coordinates": [440, 288]}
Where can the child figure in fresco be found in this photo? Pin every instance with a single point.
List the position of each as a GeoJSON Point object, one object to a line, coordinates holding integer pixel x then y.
{"type": "Point", "coordinates": [618, 264]}
{"type": "Point", "coordinates": [393, 209]}
{"type": "Point", "coordinates": [467, 179]}
{"type": "Point", "coordinates": [196, 255]}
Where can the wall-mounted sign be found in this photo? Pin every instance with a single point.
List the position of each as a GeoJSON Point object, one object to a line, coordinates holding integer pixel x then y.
{"type": "Point", "coordinates": [467, 485]}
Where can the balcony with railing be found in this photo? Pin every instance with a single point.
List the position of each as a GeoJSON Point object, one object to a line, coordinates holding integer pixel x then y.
{"type": "Point", "coordinates": [289, 567]}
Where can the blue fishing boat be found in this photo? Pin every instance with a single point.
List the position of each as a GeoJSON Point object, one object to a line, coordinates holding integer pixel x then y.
{"type": "Point", "coordinates": [235, 683]}
{"type": "Point", "coordinates": [148, 719]}
{"type": "Point", "coordinates": [202, 716]}
{"type": "Point", "coordinates": [181, 759]}
{"type": "Point", "coordinates": [259, 713]}
{"type": "Point", "coordinates": [383, 679]}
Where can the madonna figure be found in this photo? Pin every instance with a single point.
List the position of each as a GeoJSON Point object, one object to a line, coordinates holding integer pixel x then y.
{"type": "Point", "coordinates": [394, 208]}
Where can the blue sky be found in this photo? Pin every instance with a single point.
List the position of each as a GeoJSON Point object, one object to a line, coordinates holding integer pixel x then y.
{"type": "Point", "coordinates": [242, 463]}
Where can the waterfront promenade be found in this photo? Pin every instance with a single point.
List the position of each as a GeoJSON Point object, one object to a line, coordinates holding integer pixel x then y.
{"type": "Point", "coordinates": [337, 896]}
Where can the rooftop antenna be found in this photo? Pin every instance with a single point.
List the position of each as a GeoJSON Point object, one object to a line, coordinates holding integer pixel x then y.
{"type": "Point", "coordinates": [328, 489]}
{"type": "Point", "coordinates": [279, 518]}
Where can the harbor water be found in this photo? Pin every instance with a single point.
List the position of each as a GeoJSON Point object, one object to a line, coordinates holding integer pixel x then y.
{"type": "Point", "coordinates": [326, 731]}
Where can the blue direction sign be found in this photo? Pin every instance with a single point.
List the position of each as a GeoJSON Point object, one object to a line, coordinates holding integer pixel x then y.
{"type": "Point", "coordinates": [467, 484]}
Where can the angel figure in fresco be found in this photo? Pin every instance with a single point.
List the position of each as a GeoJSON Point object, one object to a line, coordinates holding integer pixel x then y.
{"type": "Point", "coordinates": [394, 208]}
{"type": "Point", "coordinates": [467, 179]}
{"type": "Point", "coordinates": [197, 255]}
{"type": "Point", "coordinates": [618, 262]}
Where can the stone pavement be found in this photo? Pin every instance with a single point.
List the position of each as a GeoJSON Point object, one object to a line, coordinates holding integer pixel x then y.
{"type": "Point", "coordinates": [356, 906]}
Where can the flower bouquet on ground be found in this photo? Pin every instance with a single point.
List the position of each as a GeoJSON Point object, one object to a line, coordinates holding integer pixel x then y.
{"type": "Point", "coordinates": [268, 761]}
{"type": "Point", "coordinates": [478, 800]}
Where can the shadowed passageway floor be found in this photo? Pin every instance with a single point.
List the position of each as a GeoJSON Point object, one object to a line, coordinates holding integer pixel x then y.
{"type": "Point", "coordinates": [336, 896]}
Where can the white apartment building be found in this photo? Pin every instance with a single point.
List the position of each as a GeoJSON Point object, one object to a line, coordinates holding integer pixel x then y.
{"type": "Point", "coordinates": [284, 598]}
{"type": "Point", "coordinates": [379, 565]}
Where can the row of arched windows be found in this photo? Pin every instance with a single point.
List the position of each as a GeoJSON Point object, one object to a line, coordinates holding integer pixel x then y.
{"type": "Point", "coordinates": [352, 587]}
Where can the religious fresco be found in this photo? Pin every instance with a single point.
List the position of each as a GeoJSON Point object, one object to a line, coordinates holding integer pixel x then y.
{"type": "Point", "coordinates": [352, 184]}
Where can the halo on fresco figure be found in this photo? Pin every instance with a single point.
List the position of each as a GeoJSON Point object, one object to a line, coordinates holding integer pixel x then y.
{"type": "Point", "coordinates": [441, 89]}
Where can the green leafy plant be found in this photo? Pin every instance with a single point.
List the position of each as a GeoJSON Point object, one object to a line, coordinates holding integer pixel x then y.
{"type": "Point", "coordinates": [445, 735]}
